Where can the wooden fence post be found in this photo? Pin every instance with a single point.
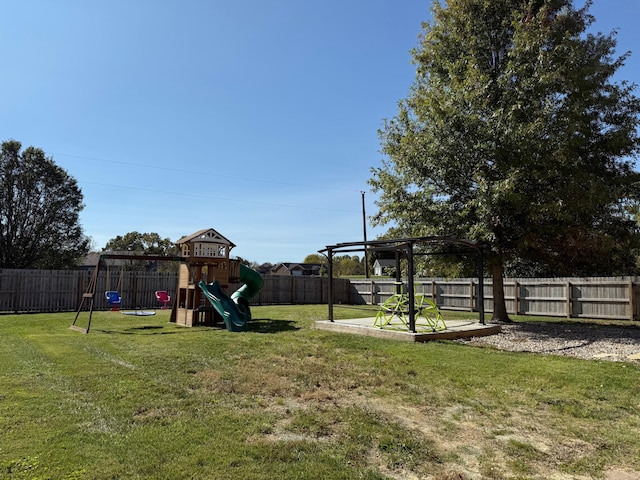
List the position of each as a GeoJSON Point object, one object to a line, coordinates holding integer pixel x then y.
{"type": "Point", "coordinates": [18, 294]}
{"type": "Point", "coordinates": [372, 289]}
{"type": "Point", "coordinates": [434, 294]}
{"type": "Point", "coordinates": [471, 294]}
{"type": "Point", "coordinates": [632, 306]}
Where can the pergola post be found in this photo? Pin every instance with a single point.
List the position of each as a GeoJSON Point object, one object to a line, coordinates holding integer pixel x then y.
{"type": "Point", "coordinates": [330, 288]}
{"type": "Point", "coordinates": [481, 286]}
{"type": "Point", "coordinates": [410, 288]}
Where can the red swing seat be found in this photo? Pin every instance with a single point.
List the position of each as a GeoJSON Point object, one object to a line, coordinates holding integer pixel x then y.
{"type": "Point", "coordinates": [164, 298]}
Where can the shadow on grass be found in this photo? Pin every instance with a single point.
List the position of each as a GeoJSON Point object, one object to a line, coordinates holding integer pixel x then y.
{"type": "Point", "coordinates": [268, 325]}
{"type": "Point", "coordinates": [150, 330]}
{"type": "Point", "coordinates": [261, 325]}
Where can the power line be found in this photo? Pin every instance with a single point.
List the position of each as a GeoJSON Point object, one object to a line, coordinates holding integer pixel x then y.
{"type": "Point", "coordinates": [213, 197]}
{"type": "Point", "coordinates": [194, 172]}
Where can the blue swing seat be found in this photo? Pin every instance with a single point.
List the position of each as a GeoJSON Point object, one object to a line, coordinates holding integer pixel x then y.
{"type": "Point", "coordinates": [113, 298]}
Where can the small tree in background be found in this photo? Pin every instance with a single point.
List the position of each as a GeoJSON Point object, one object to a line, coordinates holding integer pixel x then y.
{"type": "Point", "coordinates": [343, 265]}
{"type": "Point", "coordinates": [515, 135]}
{"type": "Point", "coordinates": [40, 207]}
{"type": "Point", "coordinates": [315, 258]}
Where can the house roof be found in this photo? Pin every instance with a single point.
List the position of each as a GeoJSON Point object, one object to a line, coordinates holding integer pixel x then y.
{"type": "Point", "coordinates": [303, 266]}
{"type": "Point", "coordinates": [290, 266]}
{"type": "Point", "coordinates": [206, 235]}
{"type": "Point", "coordinates": [385, 262]}
{"type": "Point", "coordinates": [91, 259]}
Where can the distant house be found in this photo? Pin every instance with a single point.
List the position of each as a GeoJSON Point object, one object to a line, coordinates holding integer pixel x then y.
{"type": "Point", "coordinates": [381, 264]}
{"type": "Point", "coordinates": [89, 262]}
{"type": "Point", "coordinates": [297, 269]}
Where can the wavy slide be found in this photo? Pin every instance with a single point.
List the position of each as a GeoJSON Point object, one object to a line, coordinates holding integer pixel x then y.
{"type": "Point", "coordinates": [234, 310]}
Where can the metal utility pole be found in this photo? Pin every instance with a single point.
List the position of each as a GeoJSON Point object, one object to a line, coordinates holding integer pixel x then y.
{"type": "Point", "coordinates": [364, 228]}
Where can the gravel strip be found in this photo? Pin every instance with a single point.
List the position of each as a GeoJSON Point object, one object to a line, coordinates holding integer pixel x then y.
{"type": "Point", "coordinates": [599, 342]}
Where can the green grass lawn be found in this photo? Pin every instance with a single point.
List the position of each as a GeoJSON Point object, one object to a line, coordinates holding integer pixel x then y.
{"type": "Point", "coordinates": [139, 397]}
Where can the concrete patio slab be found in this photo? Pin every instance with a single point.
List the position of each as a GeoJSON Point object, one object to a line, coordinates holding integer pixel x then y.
{"type": "Point", "coordinates": [365, 326]}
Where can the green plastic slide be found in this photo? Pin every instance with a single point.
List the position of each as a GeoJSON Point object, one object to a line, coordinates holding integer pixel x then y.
{"type": "Point", "coordinates": [234, 310]}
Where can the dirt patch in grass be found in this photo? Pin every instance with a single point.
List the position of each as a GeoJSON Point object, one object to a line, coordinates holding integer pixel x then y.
{"type": "Point", "coordinates": [619, 474]}
{"type": "Point", "coordinates": [470, 447]}
{"type": "Point", "coordinates": [252, 380]}
{"type": "Point", "coordinates": [305, 400]}
{"type": "Point", "coordinates": [498, 447]}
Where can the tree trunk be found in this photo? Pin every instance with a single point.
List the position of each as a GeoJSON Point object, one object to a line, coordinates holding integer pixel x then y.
{"type": "Point", "coordinates": [499, 306]}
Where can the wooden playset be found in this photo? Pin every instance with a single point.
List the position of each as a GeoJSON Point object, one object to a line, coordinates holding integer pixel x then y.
{"type": "Point", "coordinates": [205, 272]}
{"type": "Point", "coordinates": [205, 257]}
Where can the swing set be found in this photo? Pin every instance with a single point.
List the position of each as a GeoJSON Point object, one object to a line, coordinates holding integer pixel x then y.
{"type": "Point", "coordinates": [113, 296]}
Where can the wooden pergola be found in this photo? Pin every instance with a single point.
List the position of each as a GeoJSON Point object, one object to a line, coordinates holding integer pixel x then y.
{"type": "Point", "coordinates": [405, 247]}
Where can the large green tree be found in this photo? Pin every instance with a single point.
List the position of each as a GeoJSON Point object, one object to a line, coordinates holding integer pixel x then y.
{"type": "Point", "coordinates": [40, 206]}
{"type": "Point", "coordinates": [516, 135]}
{"type": "Point", "coordinates": [144, 244]}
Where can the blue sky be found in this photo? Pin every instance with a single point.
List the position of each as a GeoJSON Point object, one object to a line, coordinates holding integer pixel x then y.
{"type": "Point", "coordinates": [258, 119]}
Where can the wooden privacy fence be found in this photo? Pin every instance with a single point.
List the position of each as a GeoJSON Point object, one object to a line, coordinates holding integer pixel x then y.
{"type": "Point", "coordinates": [62, 290]}
{"type": "Point", "coordinates": [285, 289]}
{"type": "Point", "coordinates": [605, 298]}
